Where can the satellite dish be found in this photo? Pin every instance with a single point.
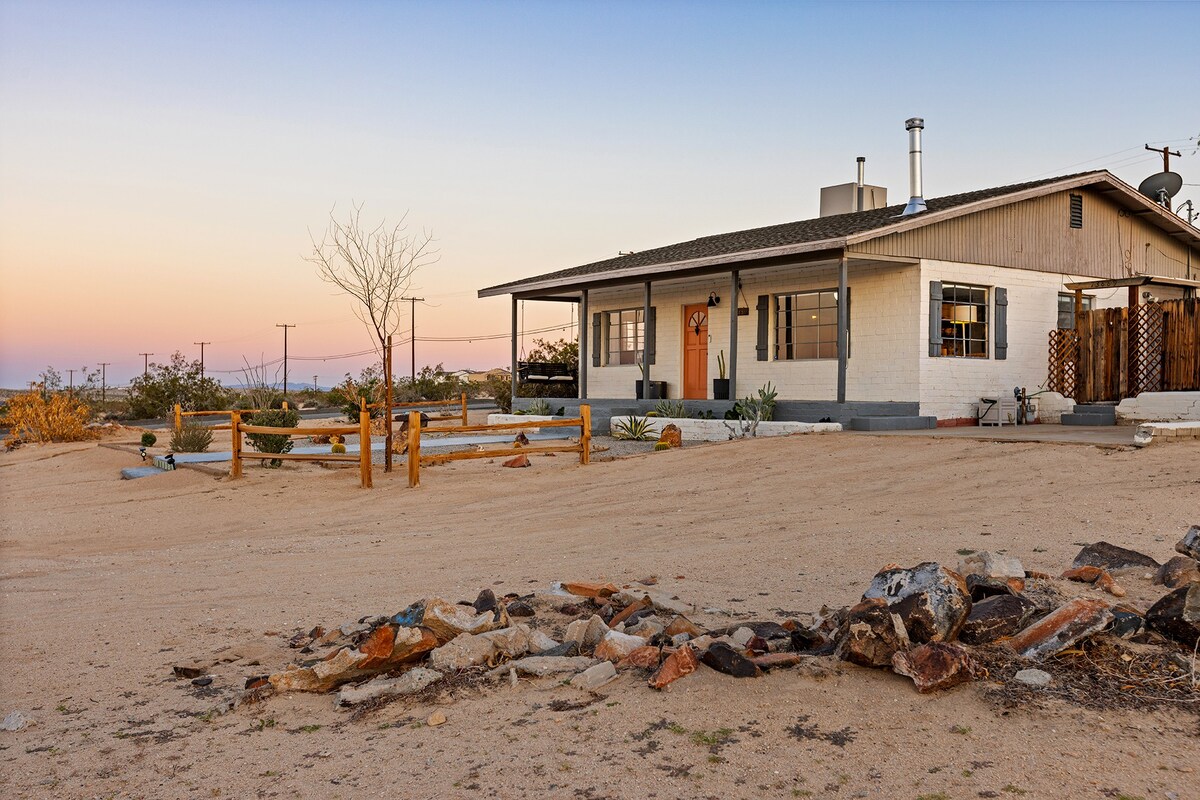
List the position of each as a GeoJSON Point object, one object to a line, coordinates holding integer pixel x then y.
{"type": "Point", "coordinates": [1160, 184]}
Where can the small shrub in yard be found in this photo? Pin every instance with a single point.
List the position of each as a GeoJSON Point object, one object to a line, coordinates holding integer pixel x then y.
{"type": "Point", "coordinates": [273, 442]}
{"type": "Point", "coordinates": [191, 438]}
{"type": "Point", "coordinates": [636, 429]}
{"type": "Point", "coordinates": [57, 418]}
{"type": "Point", "coordinates": [538, 408]}
{"type": "Point", "coordinates": [149, 439]}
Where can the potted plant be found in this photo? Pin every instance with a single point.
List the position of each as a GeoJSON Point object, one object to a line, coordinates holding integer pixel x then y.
{"type": "Point", "coordinates": [721, 384]}
{"type": "Point", "coordinates": [658, 389]}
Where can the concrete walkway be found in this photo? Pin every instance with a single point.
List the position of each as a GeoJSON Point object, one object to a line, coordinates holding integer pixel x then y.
{"type": "Point", "coordinates": [1096, 436]}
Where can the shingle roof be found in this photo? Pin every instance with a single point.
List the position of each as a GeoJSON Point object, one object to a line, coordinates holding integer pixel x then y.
{"type": "Point", "coordinates": [788, 233]}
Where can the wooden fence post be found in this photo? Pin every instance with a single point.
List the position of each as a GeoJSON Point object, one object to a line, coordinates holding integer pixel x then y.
{"type": "Point", "coordinates": [364, 448]}
{"type": "Point", "coordinates": [414, 449]}
{"type": "Point", "coordinates": [235, 422]}
{"type": "Point", "coordinates": [585, 434]}
{"type": "Point", "coordinates": [178, 418]}
{"type": "Point", "coordinates": [464, 409]}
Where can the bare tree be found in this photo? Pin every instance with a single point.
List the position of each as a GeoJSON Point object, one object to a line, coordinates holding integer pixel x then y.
{"type": "Point", "coordinates": [374, 266]}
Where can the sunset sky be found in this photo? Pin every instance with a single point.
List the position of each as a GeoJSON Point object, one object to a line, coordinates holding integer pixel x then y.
{"type": "Point", "coordinates": [162, 164]}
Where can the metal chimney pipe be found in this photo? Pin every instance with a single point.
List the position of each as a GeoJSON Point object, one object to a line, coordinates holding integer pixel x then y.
{"type": "Point", "coordinates": [916, 200]}
{"type": "Point", "coordinates": [858, 194]}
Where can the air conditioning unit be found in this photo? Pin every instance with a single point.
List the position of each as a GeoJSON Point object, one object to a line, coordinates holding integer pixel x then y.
{"type": "Point", "coordinates": [997, 410]}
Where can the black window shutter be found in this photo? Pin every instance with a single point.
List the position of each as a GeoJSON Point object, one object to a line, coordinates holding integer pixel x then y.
{"type": "Point", "coordinates": [1001, 324]}
{"type": "Point", "coordinates": [651, 330]}
{"type": "Point", "coordinates": [764, 322]}
{"type": "Point", "coordinates": [935, 318]}
{"type": "Point", "coordinates": [596, 339]}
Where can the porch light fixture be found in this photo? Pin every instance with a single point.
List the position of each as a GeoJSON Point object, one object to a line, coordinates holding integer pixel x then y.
{"type": "Point", "coordinates": [713, 300]}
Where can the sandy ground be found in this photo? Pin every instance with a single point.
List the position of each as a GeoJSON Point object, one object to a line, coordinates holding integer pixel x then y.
{"type": "Point", "coordinates": [106, 584]}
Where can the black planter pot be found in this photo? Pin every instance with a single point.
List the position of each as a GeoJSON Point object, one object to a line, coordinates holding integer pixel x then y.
{"type": "Point", "coordinates": [720, 388]}
{"type": "Point", "coordinates": [658, 390]}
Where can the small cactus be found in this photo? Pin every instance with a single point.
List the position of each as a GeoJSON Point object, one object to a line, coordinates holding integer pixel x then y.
{"type": "Point", "coordinates": [337, 447]}
{"type": "Point", "coordinates": [662, 446]}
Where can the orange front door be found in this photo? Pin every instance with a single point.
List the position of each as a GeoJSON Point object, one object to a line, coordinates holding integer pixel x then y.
{"type": "Point", "coordinates": [695, 352]}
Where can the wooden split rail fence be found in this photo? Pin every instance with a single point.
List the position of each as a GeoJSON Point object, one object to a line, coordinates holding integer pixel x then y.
{"type": "Point", "coordinates": [363, 429]}
{"type": "Point", "coordinates": [180, 414]}
{"type": "Point", "coordinates": [583, 447]}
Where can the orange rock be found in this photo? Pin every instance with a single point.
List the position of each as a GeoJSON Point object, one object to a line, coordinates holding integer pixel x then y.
{"type": "Point", "coordinates": [680, 663]}
{"type": "Point", "coordinates": [682, 624]}
{"type": "Point", "coordinates": [1100, 577]}
{"type": "Point", "coordinates": [937, 665]}
{"type": "Point", "coordinates": [1062, 628]}
{"type": "Point", "coordinates": [646, 657]}
{"type": "Point", "coordinates": [581, 589]}
{"type": "Point", "coordinates": [1109, 584]}
{"type": "Point", "coordinates": [518, 461]}
{"type": "Point", "coordinates": [378, 646]}
{"type": "Point", "coordinates": [630, 610]}
{"type": "Point", "coordinates": [671, 435]}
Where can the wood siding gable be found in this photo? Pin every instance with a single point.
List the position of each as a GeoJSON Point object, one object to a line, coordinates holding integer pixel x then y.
{"type": "Point", "coordinates": [1036, 234]}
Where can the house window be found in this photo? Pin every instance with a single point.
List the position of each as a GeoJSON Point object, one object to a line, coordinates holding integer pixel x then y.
{"type": "Point", "coordinates": [626, 332]}
{"type": "Point", "coordinates": [806, 325]}
{"type": "Point", "coordinates": [1066, 309]}
{"type": "Point", "coordinates": [964, 320]}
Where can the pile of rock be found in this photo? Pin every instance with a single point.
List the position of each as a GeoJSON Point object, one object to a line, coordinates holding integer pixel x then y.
{"type": "Point", "coordinates": [922, 622]}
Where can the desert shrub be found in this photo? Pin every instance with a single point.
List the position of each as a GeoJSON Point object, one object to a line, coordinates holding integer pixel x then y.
{"type": "Point", "coordinates": [671, 408]}
{"type": "Point", "coordinates": [636, 429]}
{"type": "Point", "coordinates": [191, 437]}
{"type": "Point", "coordinates": [56, 418]}
{"type": "Point", "coordinates": [538, 408]}
{"type": "Point", "coordinates": [499, 388]}
{"type": "Point", "coordinates": [155, 393]}
{"type": "Point", "coordinates": [337, 447]}
{"type": "Point", "coordinates": [432, 383]}
{"type": "Point", "coordinates": [149, 439]}
{"type": "Point", "coordinates": [369, 386]}
{"type": "Point", "coordinates": [273, 442]}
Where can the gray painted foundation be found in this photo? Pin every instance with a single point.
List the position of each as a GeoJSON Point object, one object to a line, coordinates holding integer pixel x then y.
{"type": "Point", "coordinates": [603, 409]}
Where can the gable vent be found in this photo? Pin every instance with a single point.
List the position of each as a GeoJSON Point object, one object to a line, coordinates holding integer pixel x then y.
{"type": "Point", "coordinates": [1076, 211]}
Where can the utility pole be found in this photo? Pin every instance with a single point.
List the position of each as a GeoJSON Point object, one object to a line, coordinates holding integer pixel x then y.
{"type": "Point", "coordinates": [103, 384]}
{"type": "Point", "coordinates": [1166, 154]}
{"type": "Point", "coordinates": [71, 382]}
{"type": "Point", "coordinates": [146, 363]}
{"type": "Point", "coordinates": [285, 330]}
{"type": "Point", "coordinates": [412, 335]}
{"type": "Point", "coordinates": [315, 389]}
{"type": "Point", "coordinates": [201, 356]}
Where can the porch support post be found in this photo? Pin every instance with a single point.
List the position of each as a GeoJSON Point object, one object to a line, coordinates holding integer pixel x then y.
{"type": "Point", "coordinates": [645, 336]}
{"type": "Point", "coordinates": [513, 388]}
{"type": "Point", "coordinates": [1131, 345]}
{"type": "Point", "coordinates": [733, 332]}
{"type": "Point", "coordinates": [585, 321]}
{"type": "Point", "coordinates": [843, 329]}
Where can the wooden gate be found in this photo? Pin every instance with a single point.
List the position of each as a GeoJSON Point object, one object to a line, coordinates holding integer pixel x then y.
{"type": "Point", "coordinates": [1121, 352]}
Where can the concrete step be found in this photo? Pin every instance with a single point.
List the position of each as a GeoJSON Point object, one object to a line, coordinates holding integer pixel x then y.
{"type": "Point", "coordinates": [1088, 419]}
{"type": "Point", "coordinates": [1097, 410]}
{"type": "Point", "coordinates": [892, 423]}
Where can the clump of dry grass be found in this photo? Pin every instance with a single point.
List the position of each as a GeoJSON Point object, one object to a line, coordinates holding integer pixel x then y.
{"type": "Point", "coordinates": [58, 418]}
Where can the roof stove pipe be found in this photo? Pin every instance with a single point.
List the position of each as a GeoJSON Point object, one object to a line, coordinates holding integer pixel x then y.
{"type": "Point", "coordinates": [916, 200]}
{"type": "Point", "coordinates": [858, 192]}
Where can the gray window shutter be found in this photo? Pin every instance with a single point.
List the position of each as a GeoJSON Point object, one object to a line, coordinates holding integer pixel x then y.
{"type": "Point", "coordinates": [651, 330]}
{"type": "Point", "coordinates": [1001, 324]}
{"type": "Point", "coordinates": [596, 339]}
{"type": "Point", "coordinates": [849, 326]}
{"type": "Point", "coordinates": [764, 322]}
{"type": "Point", "coordinates": [935, 318]}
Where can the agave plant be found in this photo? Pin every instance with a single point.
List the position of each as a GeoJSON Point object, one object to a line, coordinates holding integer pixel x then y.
{"type": "Point", "coordinates": [636, 429]}
{"type": "Point", "coordinates": [671, 408]}
{"type": "Point", "coordinates": [538, 408]}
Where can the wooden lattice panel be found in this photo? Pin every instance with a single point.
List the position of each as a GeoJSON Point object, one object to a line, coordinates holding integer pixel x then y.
{"type": "Point", "coordinates": [1064, 355]}
{"type": "Point", "coordinates": [1146, 357]}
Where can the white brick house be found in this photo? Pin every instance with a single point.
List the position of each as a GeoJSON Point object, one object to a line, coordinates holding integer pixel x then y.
{"type": "Point", "coordinates": [870, 312]}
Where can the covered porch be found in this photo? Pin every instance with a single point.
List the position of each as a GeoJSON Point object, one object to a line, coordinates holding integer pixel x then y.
{"type": "Point", "coordinates": [709, 335]}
